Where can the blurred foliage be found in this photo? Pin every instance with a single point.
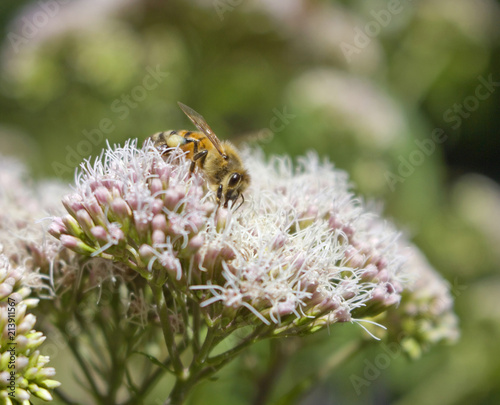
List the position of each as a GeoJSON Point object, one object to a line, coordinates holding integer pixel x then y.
{"type": "Point", "coordinates": [359, 81]}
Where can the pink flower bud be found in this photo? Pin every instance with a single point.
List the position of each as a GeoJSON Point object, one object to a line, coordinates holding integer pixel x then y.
{"type": "Point", "coordinates": [22, 342]}
{"type": "Point", "coordinates": [141, 223]}
{"type": "Point", "coordinates": [196, 222]}
{"type": "Point", "coordinates": [102, 195]}
{"type": "Point", "coordinates": [5, 290]}
{"type": "Point", "coordinates": [96, 212]}
{"type": "Point", "coordinates": [146, 253]}
{"type": "Point", "coordinates": [4, 378]}
{"type": "Point", "coordinates": [57, 227]}
{"type": "Point", "coordinates": [16, 297]}
{"type": "Point", "coordinates": [156, 187]}
{"type": "Point", "coordinates": [93, 184]}
{"type": "Point", "coordinates": [342, 315]}
{"type": "Point", "coordinates": [378, 294]}
{"type": "Point", "coordinates": [83, 218]}
{"type": "Point", "coordinates": [227, 253]}
{"type": "Point", "coordinates": [382, 276]}
{"type": "Point", "coordinates": [356, 260]}
{"type": "Point", "coordinates": [164, 173]}
{"type": "Point", "coordinates": [158, 237]}
{"type": "Point", "coordinates": [171, 264]}
{"type": "Point", "coordinates": [172, 197]}
{"type": "Point", "coordinates": [369, 272]}
{"type": "Point", "coordinates": [100, 234]}
{"type": "Point", "coordinates": [75, 244]}
{"type": "Point", "coordinates": [72, 203]}
{"type": "Point", "coordinates": [157, 206]}
{"type": "Point", "coordinates": [26, 324]}
{"type": "Point", "coordinates": [115, 233]}
{"type": "Point", "coordinates": [72, 225]}
{"type": "Point", "coordinates": [196, 242]}
{"type": "Point", "coordinates": [159, 222]}
{"type": "Point", "coordinates": [121, 209]}
{"type": "Point", "coordinates": [334, 223]}
{"type": "Point", "coordinates": [392, 299]}
{"type": "Point", "coordinates": [133, 201]}
{"type": "Point", "coordinates": [381, 263]}
{"type": "Point", "coordinates": [284, 308]}
{"type": "Point", "coordinates": [348, 230]}
{"type": "Point", "coordinates": [279, 241]}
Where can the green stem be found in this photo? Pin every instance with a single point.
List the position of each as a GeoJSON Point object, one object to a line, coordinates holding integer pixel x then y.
{"type": "Point", "coordinates": [340, 357]}
{"type": "Point", "coordinates": [118, 347]}
{"type": "Point", "coordinates": [64, 398]}
{"type": "Point", "coordinates": [203, 367]}
{"type": "Point", "coordinates": [207, 346]}
{"type": "Point", "coordinates": [152, 379]}
{"type": "Point", "coordinates": [168, 333]}
{"type": "Point", "coordinates": [231, 353]}
{"type": "Point", "coordinates": [276, 366]}
{"type": "Point", "coordinates": [334, 361]}
{"type": "Point", "coordinates": [196, 326]}
{"type": "Point", "coordinates": [67, 311]}
{"type": "Point", "coordinates": [179, 299]}
{"type": "Point", "coordinates": [196, 369]}
{"type": "Point", "coordinates": [94, 390]}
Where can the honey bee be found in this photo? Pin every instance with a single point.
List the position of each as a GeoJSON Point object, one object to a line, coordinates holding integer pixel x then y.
{"type": "Point", "coordinates": [218, 160]}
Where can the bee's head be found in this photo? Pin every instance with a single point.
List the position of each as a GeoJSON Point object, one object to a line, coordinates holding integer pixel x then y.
{"type": "Point", "coordinates": [232, 187]}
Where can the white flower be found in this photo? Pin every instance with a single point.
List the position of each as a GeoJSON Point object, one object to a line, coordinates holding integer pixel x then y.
{"type": "Point", "coordinates": [425, 316]}
{"type": "Point", "coordinates": [19, 341]}
{"type": "Point", "coordinates": [303, 247]}
{"type": "Point", "coordinates": [302, 252]}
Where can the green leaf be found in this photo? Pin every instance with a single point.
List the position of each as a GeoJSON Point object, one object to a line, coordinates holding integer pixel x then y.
{"type": "Point", "coordinates": [154, 360]}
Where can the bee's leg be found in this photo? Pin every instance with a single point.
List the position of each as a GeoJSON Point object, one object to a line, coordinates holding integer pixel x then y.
{"type": "Point", "coordinates": [198, 156]}
{"type": "Point", "coordinates": [242, 201]}
{"type": "Point", "coordinates": [195, 153]}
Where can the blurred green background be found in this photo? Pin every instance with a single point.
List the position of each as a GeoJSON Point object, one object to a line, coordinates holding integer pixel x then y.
{"type": "Point", "coordinates": [404, 95]}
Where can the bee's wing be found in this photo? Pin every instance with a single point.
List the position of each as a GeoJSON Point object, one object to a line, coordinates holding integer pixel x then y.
{"type": "Point", "coordinates": [202, 125]}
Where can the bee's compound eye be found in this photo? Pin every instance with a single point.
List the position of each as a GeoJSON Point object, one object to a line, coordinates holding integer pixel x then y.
{"type": "Point", "coordinates": [234, 180]}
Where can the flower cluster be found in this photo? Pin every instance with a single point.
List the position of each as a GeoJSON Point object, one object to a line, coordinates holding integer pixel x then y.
{"type": "Point", "coordinates": [306, 253]}
{"type": "Point", "coordinates": [425, 316]}
{"type": "Point", "coordinates": [22, 205]}
{"type": "Point", "coordinates": [22, 367]}
{"type": "Point", "coordinates": [25, 251]}
{"type": "Point", "coordinates": [302, 252]}
{"type": "Point", "coordinates": [134, 208]}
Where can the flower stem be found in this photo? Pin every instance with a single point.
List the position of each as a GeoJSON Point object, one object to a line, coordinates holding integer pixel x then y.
{"type": "Point", "coordinates": [203, 366]}
{"type": "Point", "coordinates": [73, 346]}
{"type": "Point", "coordinates": [227, 356]}
{"type": "Point", "coordinates": [277, 362]}
{"type": "Point", "coordinates": [307, 384]}
{"type": "Point", "coordinates": [64, 397]}
{"type": "Point", "coordinates": [168, 333]}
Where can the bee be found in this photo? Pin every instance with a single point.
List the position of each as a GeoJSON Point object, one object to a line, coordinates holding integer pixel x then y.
{"type": "Point", "coordinates": [218, 160]}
